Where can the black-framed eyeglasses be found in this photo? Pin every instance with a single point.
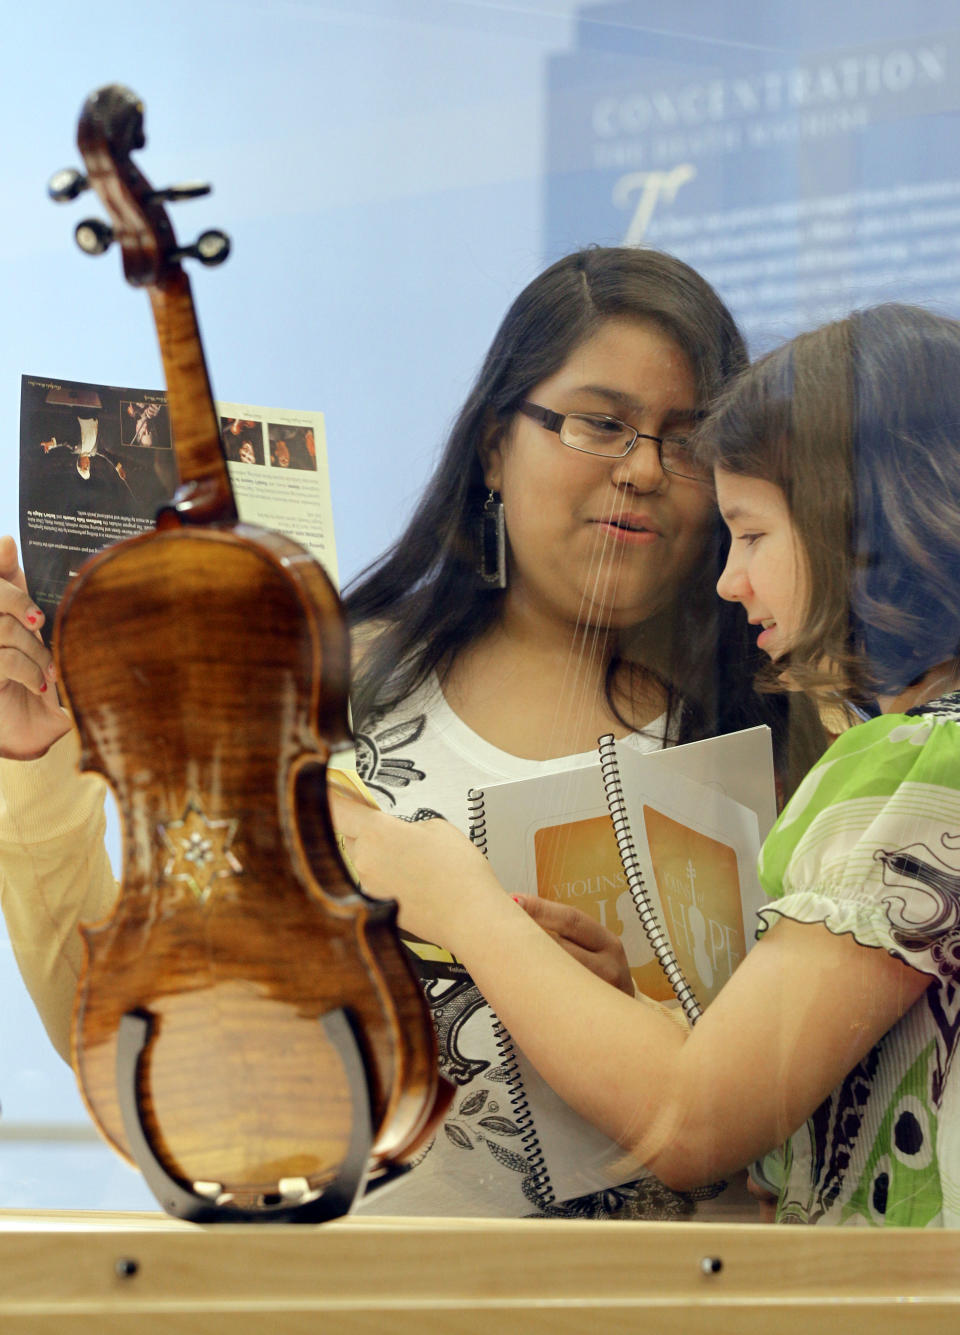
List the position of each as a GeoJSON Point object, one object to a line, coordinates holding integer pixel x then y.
{"type": "Point", "coordinates": [596, 433]}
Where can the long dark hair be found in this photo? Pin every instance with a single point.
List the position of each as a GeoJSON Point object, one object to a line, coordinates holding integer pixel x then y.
{"type": "Point", "coordinates": [422, 595]}
{"type": "Point", "coordinates": [859, 424]}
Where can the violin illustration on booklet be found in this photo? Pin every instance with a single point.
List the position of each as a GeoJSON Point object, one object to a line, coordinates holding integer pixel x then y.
{"type": "Point", "coordinates": [247, 1030]}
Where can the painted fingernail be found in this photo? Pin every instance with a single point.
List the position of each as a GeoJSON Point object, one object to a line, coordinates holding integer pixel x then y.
{"type": "Point", "coordinates": [52, 671]}
{"type": "Point", "coordinates": [33, 616]}
{"type": "Point", "coordinates": [516, 899]}
{"type": "Point", "coordinates": [43, 687]}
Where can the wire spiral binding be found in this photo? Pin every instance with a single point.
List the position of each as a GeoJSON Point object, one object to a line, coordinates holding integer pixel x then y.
{"type": "Point", "coordinates": [539, 1176]}
{"type": "Point", "coordinates": [638, 891]}
{"type": "Point", "coordinates": [477, 820]}
{"type": "Point", "coordinates": [613, 791]}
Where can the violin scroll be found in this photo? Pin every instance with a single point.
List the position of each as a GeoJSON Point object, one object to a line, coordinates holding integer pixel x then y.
{"type": "Point", "coordinates": [111, 128]}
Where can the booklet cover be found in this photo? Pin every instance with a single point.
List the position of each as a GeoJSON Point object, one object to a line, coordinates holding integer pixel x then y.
{"type": "Point", "coordinates": [697, 814]}
{"type": "Point", "coordinates": [97, 462]}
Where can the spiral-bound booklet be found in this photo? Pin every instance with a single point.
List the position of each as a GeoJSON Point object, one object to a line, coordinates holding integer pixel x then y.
{"type": "Point", "coordinates": [695, 816]}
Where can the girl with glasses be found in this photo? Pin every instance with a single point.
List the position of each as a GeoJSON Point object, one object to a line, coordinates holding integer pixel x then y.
{"type": "Point", "coordinates": [601, 616]}
{"type": "Point", "coordinates": [555, 582]}
{"type": "Point", "coordinates": [830, 1053]}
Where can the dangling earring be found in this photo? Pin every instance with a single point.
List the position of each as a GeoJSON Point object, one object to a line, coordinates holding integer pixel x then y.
{"type": "Point", "coordinates": [492, 566]}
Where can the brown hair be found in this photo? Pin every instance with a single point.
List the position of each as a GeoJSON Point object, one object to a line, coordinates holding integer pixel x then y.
{"type": "Point", "coordinates": [423, 593]}
{"type": "Point", "coordinates": [859, 424]}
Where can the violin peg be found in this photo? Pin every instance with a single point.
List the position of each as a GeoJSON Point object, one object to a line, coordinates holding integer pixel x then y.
{"type": "Point", "coordinates": [174, 193]}
{"type": "Point", "coordinates": [93, 236]}
{"type": "Point", "coordinates": [66, 185]}
{"type": "Point", "coordinates": [210, 248]}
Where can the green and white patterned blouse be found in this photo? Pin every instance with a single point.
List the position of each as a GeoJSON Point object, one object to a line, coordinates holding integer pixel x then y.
{"type": "Point", "coordinates": [870, 845]}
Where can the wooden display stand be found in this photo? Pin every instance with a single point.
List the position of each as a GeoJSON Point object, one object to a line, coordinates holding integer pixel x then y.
{"type": "Point", "coordinates": [94, 1274]}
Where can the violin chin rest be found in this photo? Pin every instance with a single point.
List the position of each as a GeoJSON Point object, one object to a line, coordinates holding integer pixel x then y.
{"type": "Point", "coordinates": [295, 1201]}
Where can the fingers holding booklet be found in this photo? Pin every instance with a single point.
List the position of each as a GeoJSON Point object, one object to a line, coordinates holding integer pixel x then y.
{"type": "Point", "coordinates": [429, 867]}
{"type": "Point", "coordinates": [416, 863]}
{"type": "Point", "coordinates": [588, 941]}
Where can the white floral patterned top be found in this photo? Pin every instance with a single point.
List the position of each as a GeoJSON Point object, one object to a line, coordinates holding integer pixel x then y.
{"type": "Point", "coordinates": [420, 760]}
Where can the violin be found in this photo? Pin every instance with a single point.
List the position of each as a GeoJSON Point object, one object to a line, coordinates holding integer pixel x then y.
{"type": "Point", "coordinates": [248, 1029]}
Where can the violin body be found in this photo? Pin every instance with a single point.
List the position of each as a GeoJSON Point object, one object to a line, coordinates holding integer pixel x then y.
{"type": "Point", "coordinates": [248, 1028]}
{"type": "Point", "coordinates": [237, 926]}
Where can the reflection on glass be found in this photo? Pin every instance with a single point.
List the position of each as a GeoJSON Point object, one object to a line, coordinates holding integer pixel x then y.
{"type": "Point", "coordinates": [801, 180]}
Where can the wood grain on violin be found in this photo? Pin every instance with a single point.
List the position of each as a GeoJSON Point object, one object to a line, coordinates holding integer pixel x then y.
{"type": "Point", "coordinates": [206, 667]}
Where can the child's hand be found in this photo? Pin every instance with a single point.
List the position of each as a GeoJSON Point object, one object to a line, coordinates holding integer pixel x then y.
{"type": "Point", "coordinates": [581, 936]}
{"type": "Point", "coordinates": [428, 866]}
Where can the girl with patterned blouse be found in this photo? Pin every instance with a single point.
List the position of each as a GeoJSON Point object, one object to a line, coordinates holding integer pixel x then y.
{"type": "Point", "coordinates": [830, 1053]}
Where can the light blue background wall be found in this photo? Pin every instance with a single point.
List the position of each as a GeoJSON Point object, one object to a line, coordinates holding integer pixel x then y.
{"type": "Point", "coordinates": [378, 164]}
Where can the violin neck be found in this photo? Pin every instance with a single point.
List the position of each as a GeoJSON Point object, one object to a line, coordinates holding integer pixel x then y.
{"type": "Point", "coordinates": [204, 494]}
